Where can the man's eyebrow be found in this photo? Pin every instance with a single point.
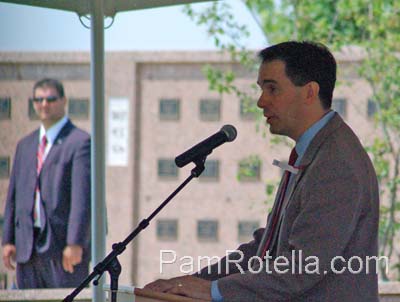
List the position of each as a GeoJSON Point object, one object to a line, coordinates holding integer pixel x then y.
{"type": "Point", "coordinates": [266, 81]}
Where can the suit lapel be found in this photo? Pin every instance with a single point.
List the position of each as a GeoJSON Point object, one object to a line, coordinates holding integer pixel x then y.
{"type": "Point", "coordinates": [29, 158]}
{"type": "Point", "coordinates": [295, 179]}
{"type": "Point", "coordinates": [269, 222]}
{"type": "Point", "coordinates": [289, 191]}
{"type": "Point", "coordinates": [57, 144]}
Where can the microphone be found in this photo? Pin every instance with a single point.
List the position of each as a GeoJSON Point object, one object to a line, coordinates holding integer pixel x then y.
{"type": "Point", "coordinates": [226, 134]}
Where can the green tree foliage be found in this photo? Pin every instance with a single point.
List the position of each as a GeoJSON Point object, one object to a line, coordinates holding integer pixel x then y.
{"type": "Point", "coordinates": [371, 25]}
{"type": "Point", "coordinates": [249, 168]}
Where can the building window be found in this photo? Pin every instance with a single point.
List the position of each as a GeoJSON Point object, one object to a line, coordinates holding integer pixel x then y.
{"type": "Point", "coordinates": [5, 108]}
{"type": "Point", "coordinates": [246, 229]}
{"type": "Point", "coordinates": [169, 109]}
{"type": "Point", "coordinates": [210, 110]}
{"type": "Point", "coordinates": [4, 166]}
{"type": "Point", "coordinates": [247, 110]}
{"type": "Point", "coordinates": [207, 230]}
{"type": "Point", "coordinates": [211, 171]}
{"type": "Point", "coordinates": [167, 229]}
{"type": "Point", "coordinates": [167, 168]}
{"type": "Point", "coordinates": [371, 109]}
{"type": "Point", "coordinates": [249, 168]}
{"type": "Point", "coordinates": [340, 106]}
{"type": "Point", "coordinates": [78, 108]}
{"type": "Point", "coordinates": [31, 110]}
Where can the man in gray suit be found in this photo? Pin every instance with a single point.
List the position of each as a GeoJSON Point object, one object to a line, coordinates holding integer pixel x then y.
{"type": "Point", "coordinates": [320, 241]}
{"type": "Point", "coordinates": [47, 215]}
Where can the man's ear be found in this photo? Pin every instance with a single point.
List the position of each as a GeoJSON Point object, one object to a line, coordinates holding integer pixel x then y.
{"type": "Point", "coordinates": [312, 92]}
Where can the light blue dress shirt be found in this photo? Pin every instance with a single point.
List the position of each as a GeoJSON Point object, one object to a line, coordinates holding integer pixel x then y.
{"type": "Point", "coordinates": [301, 148]}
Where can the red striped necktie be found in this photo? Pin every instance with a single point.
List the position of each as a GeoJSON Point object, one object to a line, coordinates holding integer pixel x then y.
{"type": "Point", "coordinates": [277, 208]}
{"type": "Point", "coordinates": [40, 159]}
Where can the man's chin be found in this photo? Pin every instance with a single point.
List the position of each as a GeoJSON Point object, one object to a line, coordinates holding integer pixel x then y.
{"type": "Point", "coordinates": [273, 130]}
{"type": "Point", "coordinates": [47, 120]}
{"type": "Point", "coordinates": [276, 131]}
{"type": "Point", "coordinates": [44, 119]}
{"type": "Point", "coordinates": [43, 116]}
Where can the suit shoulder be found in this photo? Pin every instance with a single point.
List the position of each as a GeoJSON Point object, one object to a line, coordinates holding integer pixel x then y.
{"type": "Point", "coordinates": [343, 149]}
{"type": "Point", "coordinates": [79, 134]}
{"type": "Point", "coordinates": [27, 139]}
{"type": "Point", "coordinates": [347, 142]}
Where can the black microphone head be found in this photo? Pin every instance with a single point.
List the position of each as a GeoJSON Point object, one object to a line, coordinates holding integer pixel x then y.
{"type": "Point", "coordinates": [230, 132]}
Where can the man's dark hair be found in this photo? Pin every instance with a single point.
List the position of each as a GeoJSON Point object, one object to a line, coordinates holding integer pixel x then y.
{"type": "Point", "coordinates": [47, 82]}
{"type": "Point", "coordinates": [305, 62]}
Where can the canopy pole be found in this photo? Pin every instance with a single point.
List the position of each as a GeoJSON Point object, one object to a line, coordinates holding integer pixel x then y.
{"type": "Point", "coordinates": [98, 210]}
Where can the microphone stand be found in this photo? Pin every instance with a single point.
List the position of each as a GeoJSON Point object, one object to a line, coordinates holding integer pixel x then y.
{"type": "Point", "coordinates": [110, 263]}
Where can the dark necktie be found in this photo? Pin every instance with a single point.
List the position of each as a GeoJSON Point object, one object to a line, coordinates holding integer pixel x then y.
{"type": "Point", "coordinates": [40, 159]}
{"type": "Point", "coordinates": [277, 208]}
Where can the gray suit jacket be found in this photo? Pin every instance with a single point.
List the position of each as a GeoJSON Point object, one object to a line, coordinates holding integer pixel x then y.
{"type": "Point", "coordinates": [65, 190]}
{"type": "Point", "coordinates": [331, 211]}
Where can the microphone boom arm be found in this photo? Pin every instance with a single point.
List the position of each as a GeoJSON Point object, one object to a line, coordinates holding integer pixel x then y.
{"type": "Point", "coordinates": [110, 263]}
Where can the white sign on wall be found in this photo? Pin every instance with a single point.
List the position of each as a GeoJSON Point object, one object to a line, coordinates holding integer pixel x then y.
{"type": "Point", "coordinates": [118, 132]}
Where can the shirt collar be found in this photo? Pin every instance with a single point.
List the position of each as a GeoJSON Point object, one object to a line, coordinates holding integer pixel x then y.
{"type": "Point", "coordinates": [306, 138]}
{"type": "Point", "coordinates": [53, 131]}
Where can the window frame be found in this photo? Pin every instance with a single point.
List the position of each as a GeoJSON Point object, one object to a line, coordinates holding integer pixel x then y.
{"type": "Point", "coordinates": [171, 162]}
{"type": "Point", "coordinates": [167, 236]}
{"type": "Point", "coordinates": [215, 225]}
{"type": "Point", "coordinates": [207, 116]}
{"type": "Point", "coordinates": [168, 116]}
{"type": "Point", "coordinates": [7, 115]}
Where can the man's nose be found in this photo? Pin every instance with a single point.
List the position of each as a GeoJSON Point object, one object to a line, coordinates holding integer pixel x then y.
{"type": "Point", "coordinates": [262, 101]}
{"type": "Point", "coordinates": [45, 102]}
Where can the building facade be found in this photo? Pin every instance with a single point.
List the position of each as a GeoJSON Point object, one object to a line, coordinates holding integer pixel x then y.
{"type": "Point", "coordinates": [157, 105]}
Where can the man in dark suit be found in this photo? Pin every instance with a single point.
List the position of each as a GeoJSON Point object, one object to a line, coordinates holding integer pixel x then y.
{"type": "Point", "coordinates": [320, 240]}
{"type": "Point", "coordinates": [47, 214]}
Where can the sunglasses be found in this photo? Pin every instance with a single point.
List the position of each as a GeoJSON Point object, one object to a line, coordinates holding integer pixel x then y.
{"type": "Point", "coordinates": [49, 99]}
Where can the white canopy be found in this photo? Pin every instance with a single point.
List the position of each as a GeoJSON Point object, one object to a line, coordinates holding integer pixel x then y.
{"type": "Point", "coordinates": [110, 7]}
